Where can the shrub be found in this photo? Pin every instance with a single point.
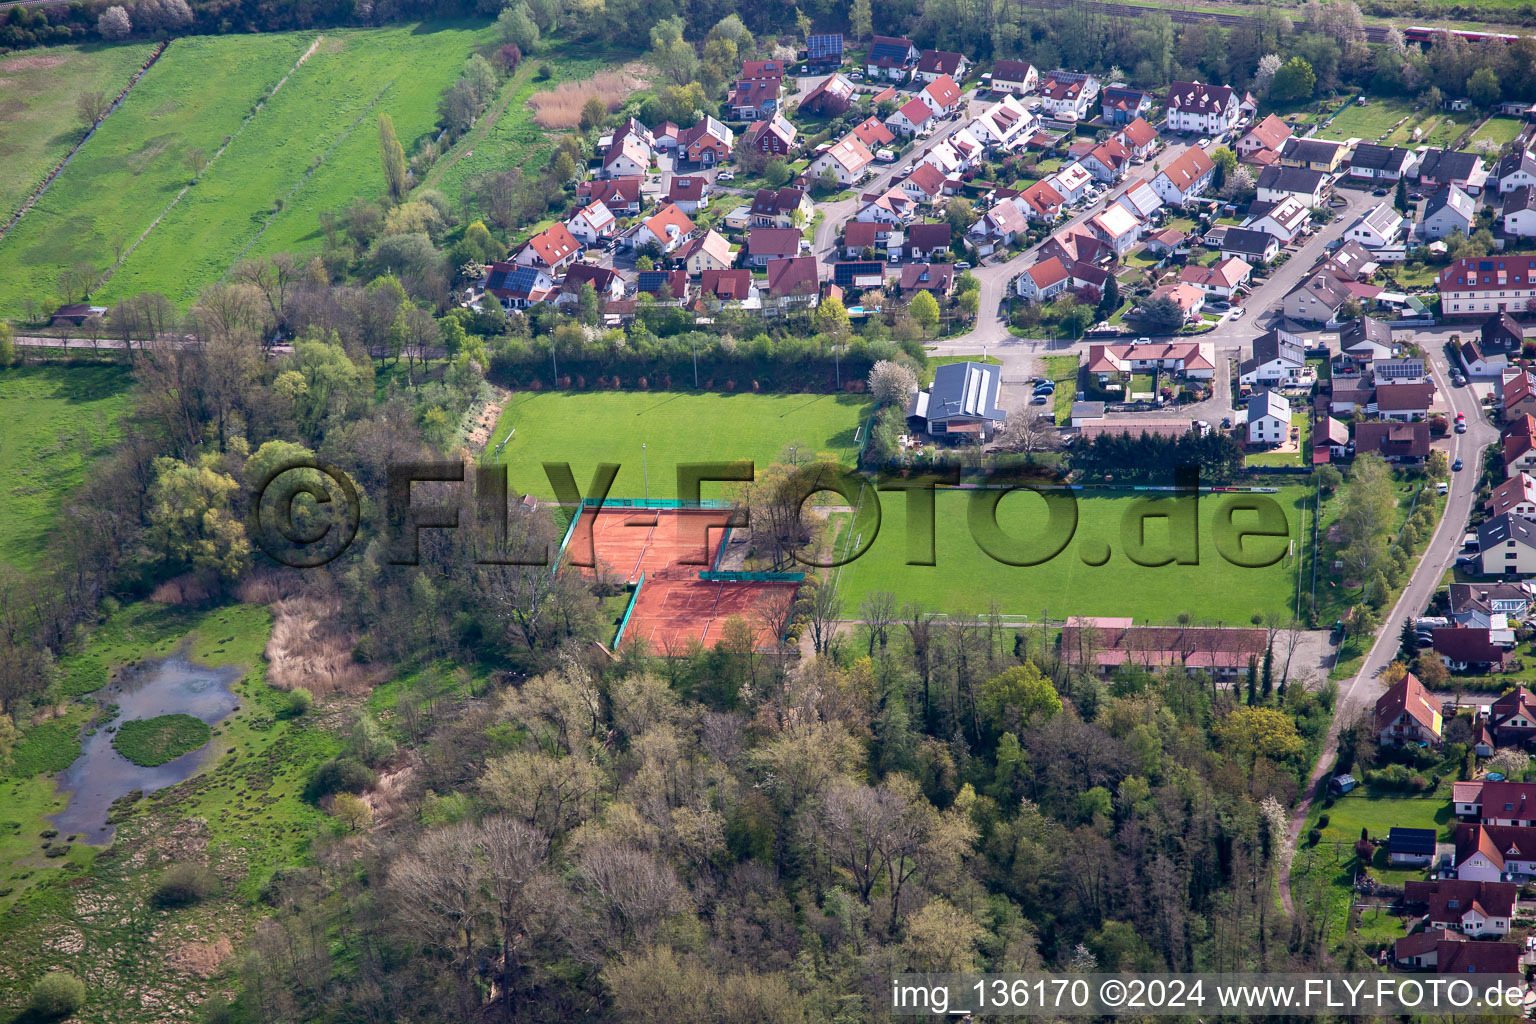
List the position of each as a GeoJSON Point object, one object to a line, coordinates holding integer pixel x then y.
{"type": "Point", "coordinates": [1314, 836]}
{"type": "Point", "coordinates": [1322, 821]}
{"type": "Point", "coordinates": [184, 885]}
{"type": "Point", "coordinates": [58, 995]}
{"type": "Point", "coordinates": [341, 775]}
{"type": "Point", "coordinates": [300, 700]}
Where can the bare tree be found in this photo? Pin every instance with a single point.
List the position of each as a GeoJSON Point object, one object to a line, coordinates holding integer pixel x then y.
{"type": "Point", "coordinates": [826, 605]}
{"type": "Point", "coordinates": [1028, 431]}
{"type": "Point", "coordinates": [628, 888]}
{"type": "Point", "coordinates": [918, 622]}
{"type": "Point", "coordinates": [514, 854]}
{"type": "Point", "coordinates": [92, 105]}
{"type": "Point", "coordinates": [274, 277]}
{"type": "Point", "coordinates": [878, 612]}
{"type": "Point", "coordinates": [438, 895]}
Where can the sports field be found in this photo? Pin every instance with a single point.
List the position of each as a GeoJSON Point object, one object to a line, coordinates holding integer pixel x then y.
{"type": "Point", "coordinates": [586, 428]}
{"type": "Point", "coordinates": [38, 118]}
{"type": "Point", "coordinates": [967, 579]}
{"type": "Point", "coordinates": [309, 146]}
{"type": "Point", "coordinates": [53, 422]}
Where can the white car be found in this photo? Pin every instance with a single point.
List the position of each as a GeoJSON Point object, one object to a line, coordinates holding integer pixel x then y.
{"type": "Point", "coordinates": [1204, 142]}
{"type": "Point", "coordinates": [725, 176]}
{"type": "Point", "coordinates": [1238, 313]}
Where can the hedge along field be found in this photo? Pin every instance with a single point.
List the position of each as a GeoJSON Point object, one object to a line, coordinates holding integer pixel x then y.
{"type": "Point", "coordinates": [120, 181]}
{"type": "Point", "coordinates": [262, 185]}
{"type": "Point", "coordinates": [38, 121]}
{"type": "Point", "coordinates": [966, 578]}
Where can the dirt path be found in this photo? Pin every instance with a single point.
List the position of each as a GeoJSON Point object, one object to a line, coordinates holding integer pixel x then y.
{"type": "Point", "coordinates": [466, 145]}
{"type": "Point", "coordinates": [485, 422]}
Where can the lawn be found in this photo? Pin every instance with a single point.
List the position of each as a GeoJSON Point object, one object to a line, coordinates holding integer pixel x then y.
{"type": "Point", "coordinates": [934, 362]}
{"type": "Point", "coordinates": [1500, 131]}
{"type": "Point", "coordinates": [1063, 370]}
{"type": "Point", "coordinates": [154, 741]}
{"type": "Point", "coordinates": [1367, 123]}
{"type": "Point", "coordinates": [38, 122]}
{"type": "Point", "coordinates": [966, 578]}
{"type": "Point", "coordinates": [310, 146]}
{"type": "Point", "coordinates": [1303, 454]}
{"type": "Point", "coordinates": [56, 420]}
{"type": "Point", "coordinates": [586, 428]}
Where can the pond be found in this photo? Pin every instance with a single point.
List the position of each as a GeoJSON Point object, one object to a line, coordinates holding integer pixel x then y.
{"type": "Point", "coordinates": [100, 774]}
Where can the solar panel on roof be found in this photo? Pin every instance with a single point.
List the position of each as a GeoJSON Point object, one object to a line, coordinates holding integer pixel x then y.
{"type": "Point", "coordinates": [844, 274]}
{"type": "Point", "coordinates": [825, 46]}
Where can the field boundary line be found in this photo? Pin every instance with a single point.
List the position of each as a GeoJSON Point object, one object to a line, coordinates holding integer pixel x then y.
{"type": "Point", "coordinates": [53, 175]}
{"type": "Point", "coordinates": [304, 178]}
{"type": "Point", "coordinates": [245, 123]}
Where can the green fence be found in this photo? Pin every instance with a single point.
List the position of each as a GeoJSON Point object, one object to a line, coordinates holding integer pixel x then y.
{"type": "Point", "coordinates": [658, 503]}
{"type": "Point", "coordinates": [753, 577]}
{"type": "Point", "coordinates": [634, 596]}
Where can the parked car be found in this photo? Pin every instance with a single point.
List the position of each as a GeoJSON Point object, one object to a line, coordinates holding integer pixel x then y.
{"type": "Point", "coordinates": [1415, 197]}
{"type": "Point", "coordinates": [1379, 192]}
{"type": "Point", "coordinates": [1239, 313]}
{"type": "Point", "coordinates": [962, 265]}
{"type": "Point", "coordinates": [725, 176]}
{"type": "Point", "coordinates": [1041, 399]}
{"type": "Point", "coordinates": [1203, 143]}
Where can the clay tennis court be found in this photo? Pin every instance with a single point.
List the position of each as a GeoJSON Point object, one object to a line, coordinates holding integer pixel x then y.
{"type": "Point", "coordinates": [670, 547]}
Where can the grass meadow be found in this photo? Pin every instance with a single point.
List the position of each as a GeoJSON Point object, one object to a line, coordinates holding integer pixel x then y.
{"type": "Point", "coordinates": [586, 428]}
{"type": "Point", "coordinates": [38, 122]}
{"type": "Point", "coordinates": [55, 421]}
{"type": "Point", "coordinates": [967, 579]}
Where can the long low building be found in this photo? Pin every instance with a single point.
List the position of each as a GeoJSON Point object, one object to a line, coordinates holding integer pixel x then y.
{"type": "Point", "coordinates": [1109, 643]}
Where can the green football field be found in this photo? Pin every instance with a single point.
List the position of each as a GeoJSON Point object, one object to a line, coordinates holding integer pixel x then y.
{"type": "Point", "coordinates": [586, 428]}
{"type": "Point", "coordinates": [1091, 575]}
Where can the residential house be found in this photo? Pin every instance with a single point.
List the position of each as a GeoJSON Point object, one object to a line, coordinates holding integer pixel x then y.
{"type": "Point", "coordinates": [757, 97]}
{"type": "Point", "coordinates": [593, 223]}
{"type": "Point", "coordinates": [1117, 228]}
{"type": "Point", "coordinates": [1269, 418]}
{"type": "Point", "coordinates": [1411, 847]}
{"type": "Point", "coordinates": [1383, 164]}
{"type": "Point", "coordinates": [1255, 248]}
{"type": "Point", "coordinates": [941, 94]}
{"type": "Point", "coordinates": [1513, 601]}
{"type": "Point", "coordinates": [1366, 340]}
{"type": "Point", "coordinates": [1440, 167]}
{"type": "Point", "coordinates": [1519, 452]}
{"type": "Point", "coordinates": [1072, 181]}
{"type": "Point", "coordinates": [1195, 360]}
{"type": "Point", "coordinates": [792, 284]}
{"type": "Point", "coordinates": [1185, 177]}
{"type": "Point", "coordinates": [999, 226]}
{"type": "Point", "coordinates": [1141, 200]}
{"type": "Point", "coordinates": [775, 136]}
{"type": "Point", "coordinates": [890, 58]}
{"type": "Point", "coordinates": [1108, 161]}
{"type": "Point", "coordinates": [663, 285]}
{"type": "Point", "coordinates": [1164, 242]}
{"type": "Point", "coordinates": [1140, 138]}
{"type": "Point", "coordinates": [1044, 281]}
{"type": "Point", "coordinates": [1286, 220]}
{"type": "Point", "coordinates": [1004, 125]}
{"type": "Point", "coordinates": [858, 274]}
{"type": "Point", "coordinates": [1481, 366]}
{"type": "Point", "coordinates": [777, 208]}
{"type": "Point", "coordinates": [1089, 281]}
{"type": "Point", "coordinates": [1379, 227]}
{"type": "Point", "coordinates": [859, 235]}
{"type": "Point", "coordinates": [620, 195]}
{"type": "Point", "coordinates": [1519, 212]}
{"type": "Point", "coordinates": [824, 51]}
{"type": "Point", "coordinates": [1261, 144]}
{"type": "Point", "coordinates": [1508, 803]}
{"type": "Point", "coordinates": [627, 157]}
{"type": "Point", "coordinates": [1040, 202]}
{"type": "Point", "coordinates": [1473, 908]}
{"type": "Point", "coordinates": [888, 207]}
{"type": "Point", "coordinates": [962, 402]}
{"type": "Point", "coordinates": [1421, 950]}
{"type": "Point", "coordinates": [1512, 717]}
{"type": "Point", "coordinates": [1404, 401]}
{"type": "Point", "coordinates": [1519, 395]}
{"type": "Point", "coordinates": [709, 251]}
{"type": "Point", "coordinates": [1187, 297]}
{"type": "Point", "coordinates": [766, 244]}
{"type": "Point", "coordinates": [551, 250]}
{"type": "Point", "coordinates": [1119, 105]}
{"type": "Point", "coordinates": [1517, 170]}
{"type": "Point", "coordinates": [517, 287]}
{"type": "Point", "coordinates": [1502, 333]}
{"type": "Point", "coordinates": [1221, 280]}
{"type": "Point", "coordinates": [1506, 546]}
{"type": "Point", "coordinates": [668, 227]}
{"type": "Point", "coordinates": [1407, 713]}
{"type": "Point", "coordinates": [1396, 442]}
{"type": "Point", "coordinates": [925, 185]}
{"type": "Point", "coordinates": [935, 64]}
{"type": "Point", "coordinates": [831, 98]}
{"type": "Point", "coordinates": [1406, 368]}
{"type": "Point", "coordinates": [1068, 96]}
{"type": "Point", "coordinates": [873, 133]}
{"type": "Point", "coordinates": [1017, 77]}
{"type": "Point", "coordinates": [1278, 357]}
{"type": "Point", "coordinates": [1076, 246]}
{"type": "Point", "coordinates": [688, 193]}
{"type": "Point", "coordinates": [1196, 107]}
{"type": "Point", "coordinates": [1494, 853]}
{"type": "Point", "coordinates": [707, 143]}
{"type": "Point", "coordinates": [925, 241]}
{"type": "Point", "coordinates": [1491, 958]}
{"type": "Point", "coordinates": [1350, 262]}
{"type": "Point", "coordinates": [1481, 285]}
{"type": "Point", "coordinates": [938, 278]}
{"type": "Point", "coordinates": [847, 159]}
{"type": "Point", "coordinates": [608, 285]}
{"type": "Point", "coordinates": [735, 287]}
{"type": "Point", "coordinates": [1317, 300]}
{"type": "Point", "coordinates": [1330, 440]}
{"type": "Point", "coordinates": [913, 117]}
{"type": "Point", "coordinates": [1313, 154]}
{"type": "Point", "coordinates": [1276, 183]}
{"type": "Point", "coordinates": [1449, 211]}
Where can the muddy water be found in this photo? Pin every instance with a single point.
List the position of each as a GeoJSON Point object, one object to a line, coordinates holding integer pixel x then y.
{"type": "Point", "coordinates": [100, 775]}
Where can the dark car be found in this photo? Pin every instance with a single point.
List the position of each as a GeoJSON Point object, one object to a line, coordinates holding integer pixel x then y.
{"type": "Point", "coordinates": [1456, 466]}
{"type": "Point", "coordinates": [1415, 197]}
{"type": "Point", "coordinates": [1379, 192]}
